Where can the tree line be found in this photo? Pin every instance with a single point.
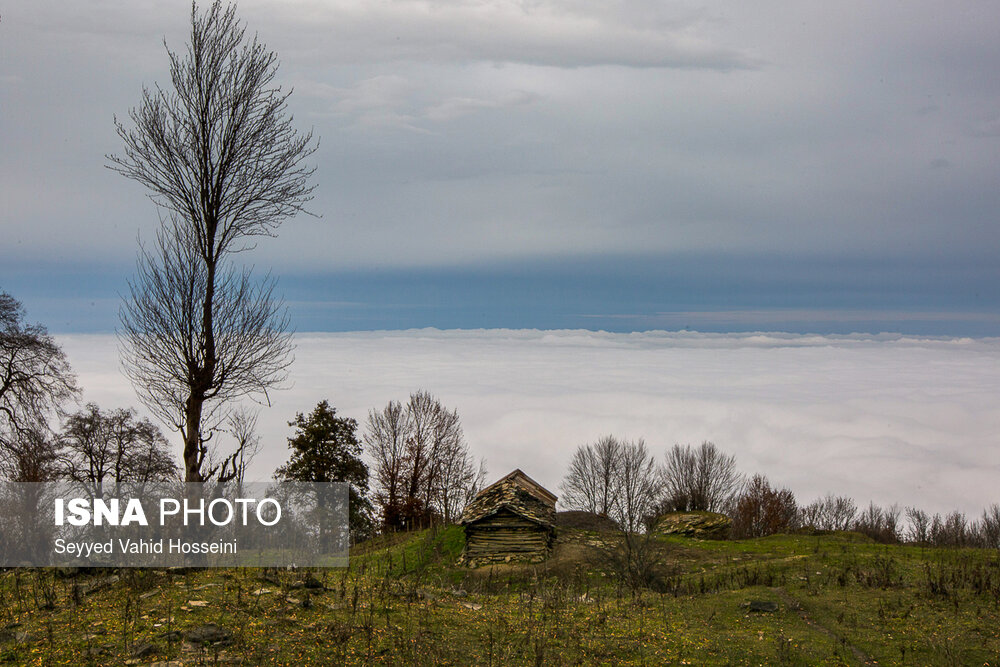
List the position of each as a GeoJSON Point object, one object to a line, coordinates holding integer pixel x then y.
{"type": "Point", "coordinates": [622, 479]}
{"type": "Point", "coordinates": [421, 468]}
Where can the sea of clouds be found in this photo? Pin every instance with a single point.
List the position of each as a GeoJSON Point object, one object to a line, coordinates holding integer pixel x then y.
{"type": "Point", "coordinates": [888, 418]}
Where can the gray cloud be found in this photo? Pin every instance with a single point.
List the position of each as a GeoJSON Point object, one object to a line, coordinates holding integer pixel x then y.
{"type": "Point", "coordinates": [471, 132]}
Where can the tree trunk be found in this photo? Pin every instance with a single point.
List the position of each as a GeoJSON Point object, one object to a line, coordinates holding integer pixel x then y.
{"type": "Point", "coordinates": [192, 439]}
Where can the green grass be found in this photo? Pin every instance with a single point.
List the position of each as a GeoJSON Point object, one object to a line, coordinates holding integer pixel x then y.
{"type": "Point", "coordinates": [841, 599]}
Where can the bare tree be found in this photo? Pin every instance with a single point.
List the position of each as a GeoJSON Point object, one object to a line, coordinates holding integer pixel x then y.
{"type": "Point", "coordinates": [880, 524]}
{"type": "Point", "coordinates": [591, 483]}
{"type": "Point", "coordinates": [614, 478]}
{"type": "Point", "coordinates": [385, 442]}
{"type": "Point", "coordinates": [34, 459]}
{"type": "Point", "coordinates": [242, 425]}
{"type": "Point", "coordinates": [919, 530]}
{"type": "Point", "coordinates": [422, 464]}
{"type": "Point", "coordinates": [35, 377]}
{"type": "Point", "coordinates": [762, 510]}
{"type": "Point", "coordinates": [830, 513]}
{"type": "Point", "coordinates": [218, 153]}
{"type": "Point", "coordinates": [638, 480]}
{"type": "Point", "coordinates": [990, 527]}
{"type": "Point", "coordinates": [110, 450]}
{"type": "Point", "coordinates": [699, 479]}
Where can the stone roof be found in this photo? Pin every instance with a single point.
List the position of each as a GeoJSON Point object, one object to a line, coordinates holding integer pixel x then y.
{"type": "Point", "coordinates": [516, 493]}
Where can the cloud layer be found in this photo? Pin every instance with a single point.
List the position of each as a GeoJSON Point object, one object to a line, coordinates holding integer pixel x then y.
{"type": "Point", "coordinates": [463, 132]}
{"type": "Point", "coordinates": [884, 418]}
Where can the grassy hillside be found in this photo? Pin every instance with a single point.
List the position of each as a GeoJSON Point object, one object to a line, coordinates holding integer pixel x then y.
{"type": "Point", "coordinates": [798, 600]}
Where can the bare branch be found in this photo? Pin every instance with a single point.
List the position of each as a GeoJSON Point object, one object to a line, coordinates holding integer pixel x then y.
{"type": "Point", "coordinates": [218, 152]}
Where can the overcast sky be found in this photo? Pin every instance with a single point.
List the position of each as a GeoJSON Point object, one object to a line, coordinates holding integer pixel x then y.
{"type": "Point", "coordinates": [828, 167]}
{"type": "Point", "coordinates": [619, 165]}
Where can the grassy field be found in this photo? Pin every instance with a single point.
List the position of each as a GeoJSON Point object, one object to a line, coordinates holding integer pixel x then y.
{"type": "Point", "coordinates": [830, 599]}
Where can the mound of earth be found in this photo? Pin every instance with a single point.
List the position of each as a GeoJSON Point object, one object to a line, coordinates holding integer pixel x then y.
{"type": "Point", "coordinates": [694, 524]}
{"type": "Point", "coordinates": [581, 520]}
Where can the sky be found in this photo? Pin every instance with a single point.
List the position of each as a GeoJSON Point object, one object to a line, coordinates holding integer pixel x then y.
{"type": "Point", "coordinates": [517, 201]}
{"type": "Point", "coordinates": [625, 166]}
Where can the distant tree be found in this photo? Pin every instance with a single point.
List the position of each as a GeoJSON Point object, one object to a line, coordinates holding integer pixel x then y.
{"type": "Point", "coordinates": [990, 527]}
{"type": "Point", "coordinates": [325, 448]}
{"type": "Point", "coordinates": [762, 510]}
{"type": "Point", "coordinates": [699, 479]}
{"type": "Point", "coordinates": [880, 524]}
{"type": "Point", "coordinates": [35, 458]}
{"type": "Point", "coordinates": [614, 478]}
{"type": "Point", "coordinates": [385, 440]}
{"type": "Point", "coordinates": [109, 451]}
{"type": "Point", "coordinates": [592, 480]}
{"type": "Point", "coordinates": [830, 513]}
{"type": "Point", "coordinates": [423, 468]}
{"type": "Point", "coordinates": [35, 380]}
{"type": "Point", "coordinates": [637, 486]}
{"type": "Point", "coordinates": [950, 531]}
{"type": "Point", "coordinates": [919, 525]}
{"type": "Point", "coordinates": [217, 152]}
{"type": "Point", "coordinates": [242, 426]}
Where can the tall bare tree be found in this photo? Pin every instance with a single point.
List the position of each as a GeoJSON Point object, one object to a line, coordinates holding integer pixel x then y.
{"type": "Point", "coordinates": [385, 439]}
{"type": "Point", "coordinates": [591, 483]}
{"type": "Point", "coordinates": [638, 482]}
{"type": "Point", "coordinates": [35, 377]}
{"type": "Point", "coordinates": [422, 464]}
{"type": "Point", "coordinates": [217, 152]}
{"type": "Point", "coordinates": [699, 479]}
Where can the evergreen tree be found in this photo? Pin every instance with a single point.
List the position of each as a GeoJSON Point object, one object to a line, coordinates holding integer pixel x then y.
{"type": "Point", "coordinates": [325, 448]}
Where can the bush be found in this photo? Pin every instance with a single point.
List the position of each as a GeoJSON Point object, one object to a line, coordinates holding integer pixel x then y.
{"type": "Point", "coordinates": [762, 510]}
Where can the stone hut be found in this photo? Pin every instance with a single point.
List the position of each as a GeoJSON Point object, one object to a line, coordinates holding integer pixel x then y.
{"type": "Point", "coordinates": [513, 519]}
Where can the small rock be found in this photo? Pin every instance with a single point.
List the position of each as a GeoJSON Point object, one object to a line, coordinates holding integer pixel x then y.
{"type": "Point", "coordinates": [763, 606]}
{"type": "Point", "coordinates": [472, 605]}
{"type": "Point", "coordinates": [143, 650]}
{"type": "Point", "coordinates": [197, 603]}
{"type": "Point", "coordinates": [210, 633]}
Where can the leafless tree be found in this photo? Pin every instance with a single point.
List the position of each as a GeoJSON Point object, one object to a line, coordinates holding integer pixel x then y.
{"type": "Point", "coordinates": [422, 464]}
{"type": "Point", "coordinates": [989, 527]}
{"type": "Point", "coordinates": [638, 480]}
{"type": "Point", "coordinates": [830, 513]}
{"type": "Point", "coordinates": [180, 376]}
{"type": "Point", "coordinates": [763, 510]}
{"type": "Point", "coordinates": [699, 479]}
{"type": "Point", "coordinates": [880, 524]}
{"type": "Point", "coordinates": [34, 459]}
{"type": "Point", "coordinates": [591, 483]}
{"type": "Point", "coordinates": [242, 426]}
{"type": "Point", "coordinates": [35, 378]}
{"type": "Point", "coordinates": [385, 442]}
{"type": "Point", "coordinates": [614, 478]}
{"type": "Point", "coordinates": [112, 450]}
{"type": "Point", "coordinates": [218, 153]}
{"type": "Point", "coordinates": [919, 530]}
